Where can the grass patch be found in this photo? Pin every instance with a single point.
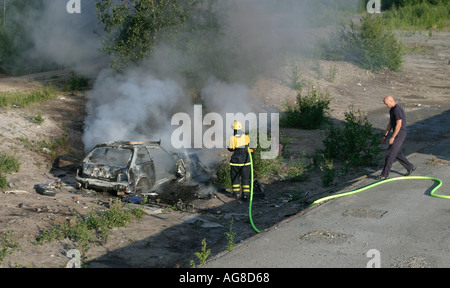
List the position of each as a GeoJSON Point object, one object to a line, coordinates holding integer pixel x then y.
{"type": "Point", "coordinates": [8, 244]}
{"type": "Point", "coordinates": [94, 228]}
{"type": "Point", "coordinates": [25, 99]}
{"type": "Point", "coordinates": [8, 164]}
{"type": "Point", "coordinates": [53, 147]}
{"type": "Point", "coordinates": [420, 16]}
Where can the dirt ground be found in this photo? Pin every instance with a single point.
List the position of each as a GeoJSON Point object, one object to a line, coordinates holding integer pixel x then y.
{"type": "Point", "coordinates": [167, 237]}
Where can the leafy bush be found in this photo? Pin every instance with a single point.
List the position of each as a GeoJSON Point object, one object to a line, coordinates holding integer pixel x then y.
{"type": "Point", "coordinates": [309, 111]}
{"type": "Point", "coordinates": [355, 143]}
{"type": "Point", "coordinates": [76, 83]}
{"type": "Point", "coordinates": [370, 45]}
{"type": "Point", "coordinates": [328, 173]}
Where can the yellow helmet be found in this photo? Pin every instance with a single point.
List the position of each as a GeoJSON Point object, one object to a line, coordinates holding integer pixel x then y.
{"type": "Point", "coordinates": [236, 125]}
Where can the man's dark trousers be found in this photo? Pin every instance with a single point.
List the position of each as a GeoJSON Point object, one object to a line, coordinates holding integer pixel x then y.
{"type": "Point", "coordinates": [394, 153]}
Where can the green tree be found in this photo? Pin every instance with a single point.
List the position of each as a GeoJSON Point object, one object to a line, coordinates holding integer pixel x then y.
{"type": "Point", "coordinates": [134, 27]}
{"type": "Point", "coordinates": [15, 41]}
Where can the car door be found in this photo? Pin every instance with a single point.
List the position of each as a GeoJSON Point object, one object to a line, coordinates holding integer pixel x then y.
{"type": "Point", "coordinates": [144, 167]}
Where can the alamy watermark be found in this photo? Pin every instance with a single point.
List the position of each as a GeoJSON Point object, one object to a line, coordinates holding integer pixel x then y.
{"type": "Point", "coordinates": [75, 258]}
{"type": "Point", "coordinates": [374, 6]}
{"type": "Point", "coordinates": [73, 6]}
{"type": "Point", "coordinates": [375, 261]}
{"type": "Point", "coordinates": [190, 132]}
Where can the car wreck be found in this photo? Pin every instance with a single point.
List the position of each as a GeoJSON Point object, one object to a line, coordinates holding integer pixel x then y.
{"type": "Point", "coordinates": [131, 168]}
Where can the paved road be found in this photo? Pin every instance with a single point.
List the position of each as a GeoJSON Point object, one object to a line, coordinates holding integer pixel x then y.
{"type": "Point", "coordinates": [397, 224]}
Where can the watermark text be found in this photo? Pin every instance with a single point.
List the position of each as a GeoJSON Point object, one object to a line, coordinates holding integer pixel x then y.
{"type": "Point", "coordinates": [74, 6]}
{"type": "Point", "coordinates": [212, 131]}
{"type": "Point", "coordinates": [375, 261]}
{"type": "Point", "coordinates": [75, 261]}
{"type": "Point", "coordinates": [374, 6]}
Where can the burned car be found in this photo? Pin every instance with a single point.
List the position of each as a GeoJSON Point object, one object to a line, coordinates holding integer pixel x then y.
{"type": "Point", "coordinates": [133, 168]}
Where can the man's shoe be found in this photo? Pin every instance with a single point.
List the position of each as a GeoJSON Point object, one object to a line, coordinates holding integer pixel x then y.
{"type": "Point", "coordinates": [381, 177]}
{"type": "Point", "coordinates": [410, 171]}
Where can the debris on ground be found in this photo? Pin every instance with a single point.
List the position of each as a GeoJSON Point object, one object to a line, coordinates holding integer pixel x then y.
{"type": "Point", "coordinates": [49, 188]}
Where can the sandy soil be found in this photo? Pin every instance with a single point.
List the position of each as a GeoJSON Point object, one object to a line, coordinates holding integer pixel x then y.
{"type": "Point", "coordinates": [169, 238]}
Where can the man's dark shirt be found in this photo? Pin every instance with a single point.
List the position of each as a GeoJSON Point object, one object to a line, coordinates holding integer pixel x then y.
{"type": "Point", "coordinates": [397, 113]}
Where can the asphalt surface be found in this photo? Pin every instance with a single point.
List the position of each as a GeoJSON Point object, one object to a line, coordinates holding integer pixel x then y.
{"type": "Point", "coordinates": [397, 224]}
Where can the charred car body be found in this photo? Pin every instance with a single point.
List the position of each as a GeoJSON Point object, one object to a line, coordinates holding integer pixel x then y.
{"type": "Point", "coordinates": [134, 168]}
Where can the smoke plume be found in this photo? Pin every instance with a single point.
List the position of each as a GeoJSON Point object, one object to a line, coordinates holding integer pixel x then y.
{"type": "Point", "coordinates": [255, 37]}
{"type": "Point", "coordinates": [64, 38]}
{"type": "Point", "coordinates": [134, 105]}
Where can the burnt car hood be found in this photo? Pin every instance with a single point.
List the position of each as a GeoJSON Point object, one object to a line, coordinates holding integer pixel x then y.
{"type": "Point", "coordinates": [102, 172]}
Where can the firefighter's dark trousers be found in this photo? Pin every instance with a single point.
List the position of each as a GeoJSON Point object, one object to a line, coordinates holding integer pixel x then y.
{"type": "Point", "coordinates": [394, 153]}
{"type": "Point", "coordinates": [240, 178]}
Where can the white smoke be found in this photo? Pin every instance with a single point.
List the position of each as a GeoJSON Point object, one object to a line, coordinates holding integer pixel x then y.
{"type": "Point", "coordinates": [66, 39]}
{"type": "Point", "coordinates": [133, 106]}
{"type": "Point", "coordinates": [257, 36]}
{"type": "Point", "coordinates": [222, 97]}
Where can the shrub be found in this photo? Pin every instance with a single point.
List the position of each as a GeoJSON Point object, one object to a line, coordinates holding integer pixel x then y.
{"type": "Point", "coordinates": [328, 173]}
{"type": "Point", "coordinates": [370, 45]}
{"type": "Point", "coordinates": [309, 111]}
{"type": "Point", "coordinates": [355, 143]}
{"type": "Point", "coordinates": [75, 83]}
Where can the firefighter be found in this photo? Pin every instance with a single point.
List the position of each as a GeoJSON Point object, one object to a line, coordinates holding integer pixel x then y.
{"type": "Point", "coordinates": [240, 166]}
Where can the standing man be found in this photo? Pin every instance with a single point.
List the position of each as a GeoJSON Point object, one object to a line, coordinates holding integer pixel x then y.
{"type": "Point", "coordinates": [240, 166]}
{"type": "Point", "coordinates": [397, 124]}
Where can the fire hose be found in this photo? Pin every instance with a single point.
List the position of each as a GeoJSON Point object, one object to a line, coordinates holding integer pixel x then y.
{"type": "Point", "coordinates": [432, 193]}
{"type": "Point", "coordinates": [251, 192]}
